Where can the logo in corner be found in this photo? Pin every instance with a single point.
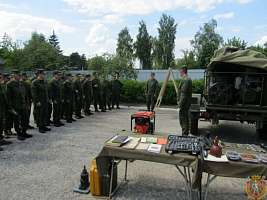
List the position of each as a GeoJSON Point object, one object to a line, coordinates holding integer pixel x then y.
{"type": "Point", "coordinates": [256, 187]}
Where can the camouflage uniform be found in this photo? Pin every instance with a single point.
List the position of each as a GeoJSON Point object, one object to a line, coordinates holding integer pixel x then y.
{"type": "Point", "coordinates": [105, 90]}
{"type": "Point", "coordinates": [57, 97]}
{"type": "Point", "coordinates": [78, 97]}
{"type": "Point", "coordinates": [2, 111]}
{"type": "Point", "coordinates": [115, 91]}
{"type": "Point", "coordinates": [151, 92]}
{"type": "Point", "coordinates": [8, 117]}
{"type": "Point", "coordinates": [69, 96]}
{"type": "Point", "coordinates": [17, 99]}
{"type": "Point", "coordinates": [40, 93]}
{"type": "Point", "coordinates": [87, 89]}
{"type": "Point", "coordinates": [184, 101]}
{"type": "Point", "coordinates": [96, 93]}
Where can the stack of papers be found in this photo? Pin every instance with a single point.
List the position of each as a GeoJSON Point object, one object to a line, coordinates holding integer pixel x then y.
{"type": "Point", "coordinates": [132, 143]}
{"type": "Point", "coordinates": [142, 146]}
{"type": "Point", "coordinates": [154, 148]}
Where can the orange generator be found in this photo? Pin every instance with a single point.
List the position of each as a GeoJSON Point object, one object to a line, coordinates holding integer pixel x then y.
{"type": "Point", "coordinates": [144, 122]}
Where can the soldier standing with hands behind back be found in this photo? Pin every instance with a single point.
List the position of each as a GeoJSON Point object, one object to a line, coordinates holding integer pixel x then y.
{"type": "Point", "coordinates": [17, 100]}
{"type": "Point", "coordinates": [152, 87]}
{"type": "Point", "coordinates": [115, 91]}
{"type": "Point", "coordinates": [184, 99]}
{"type": "Point", "coordinates": [40, 93]}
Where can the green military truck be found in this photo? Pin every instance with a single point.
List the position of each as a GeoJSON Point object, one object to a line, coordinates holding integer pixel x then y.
{"type": "Point", "coordinates": [235, 89]}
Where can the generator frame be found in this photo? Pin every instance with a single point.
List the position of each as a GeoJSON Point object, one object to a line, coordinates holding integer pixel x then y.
{"type": "Point", "coordinates": [151, 120]}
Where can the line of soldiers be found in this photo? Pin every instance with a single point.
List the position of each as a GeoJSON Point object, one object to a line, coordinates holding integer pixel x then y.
{"type": "Point", "coordinates": [61, 98]}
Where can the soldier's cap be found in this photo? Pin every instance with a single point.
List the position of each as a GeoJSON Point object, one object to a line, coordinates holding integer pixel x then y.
{"type": "Point", "coordinates": [88, 75]}
{"type": "Point", "coordinates": [40, 71]}
{"type": "Point", "coordinates": [78, 74]}
{"type": "Point", "coordinates": [5, 75]}
{"type": "Point", "coordinates": [15, 71]}
{"type": "Point", "coordinates": [94, 73]}
{"type": "Point", "coordinates": [184, 67]}
{"type": "Point", "coordinates": [69, 74]}
{"type": "Point", "coordinates": [24, 74]}
{"type": "Point", "coordinates": [55, 72]}
{"type": "Point", "coordinates": [152, 73]}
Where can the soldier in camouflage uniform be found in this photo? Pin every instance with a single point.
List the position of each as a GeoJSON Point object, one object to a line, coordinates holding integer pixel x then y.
{"type": "Point", "coordinates": [96, 93]}
{"type": "Point", "coordinates": [57, 98]}
{"type": "Point", "coordinates": [115, 91]}
{"type": "Point", "coordinates": [34, 109]}
{"type": "Point", "coordinates": [152, 87]}
{"type": "Point", "coordinates": [105, 89]}
{"type": "Point", "coordinates": [88, 92]}
{"type": "Point", "coordinates": [2, 112]}
{"type": "Point", "coordinates": [40, 93]}
{"type": "Point", "coordinates": [184, 99]}
{"type": "Point", "coordinates": [17, 99]}
{"type": "Point", "coordinates": [78, 96]}
{"type": "Point", "coordinates": [69, 96]}
{"type": "Point", "coordinates": [29, 93]}
{"type": "Point", "coordinates": [8, 117]}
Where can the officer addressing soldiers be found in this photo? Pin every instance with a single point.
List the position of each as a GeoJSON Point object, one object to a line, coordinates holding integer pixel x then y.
{"type": "Point", "coordinates": [87, 89]}
{"type": "Point", "coordinates": [152, 87]}
{"type": "Point", "coordinates": [40, 93]}
{"type": "Point", "coordinates": [115, 91]}
{"type": "Point", "coordinates": [96, 93]}
{"type": "Point", "coordinates": [57, 98]}
{"type": "Point", "coordinates": [105, 87]}
{"type": "Point", "coordinates": [184, 99]}
{"type": "Point", "coordinates": [17, 99]}
{"type": "Point", "coordinates": [78, 96]}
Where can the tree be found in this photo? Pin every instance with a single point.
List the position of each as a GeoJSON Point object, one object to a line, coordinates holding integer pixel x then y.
{"type": "Point", "coordinates": [236, 42]}
{"type": "Point", "coordinates": [143, 47]}
{"type": "Point", "coordinates": [97, 63]}
{"type": "Point", "coordinates": [205, 54]}
{"type": "Point", "coordinates": [125, 44]}
{"type": "Point", "coordinates": [75, 61]}
{"type": "Point", "coordinates": [261, 49]}
{"type": "Point", "coordinates": [189, 59]}
{"type": "Point", "coordinates": [53, 40]}
{"type": "Point", "coordinates": [206, 34]}
{"type": "Point", "coordinates": [164, 46]}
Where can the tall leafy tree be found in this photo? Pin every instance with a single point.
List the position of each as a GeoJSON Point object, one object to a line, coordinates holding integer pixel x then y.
{"type": "Point", "coordinates": [39, 53]}
{"type": "Point", "coordinates": [189, 59]}
{"type": "Point", "coordinates": [125, 44]}
{"type": "Point", "coordinates": [236, 42]}
{"type": "Point", "coordinates": [165, 44]}
{"type": "Point", "coordinates": [143, 46]}
{"type": "Point", "coordinates": [205, 54]}
{"type": "Point", "coordinates": [207, 33]}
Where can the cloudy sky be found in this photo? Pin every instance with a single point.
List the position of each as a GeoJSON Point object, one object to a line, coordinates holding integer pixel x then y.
{"type": "Point", "coordinates": [91, 27]}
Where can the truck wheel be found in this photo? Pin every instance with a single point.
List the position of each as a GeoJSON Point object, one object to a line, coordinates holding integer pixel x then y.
{"type": "Point", "coordinates": [193, 125]}
{"type": "Point", "coordinates": [263, 132]}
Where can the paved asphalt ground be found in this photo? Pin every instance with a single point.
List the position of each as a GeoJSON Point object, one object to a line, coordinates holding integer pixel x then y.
{"type": "Point", "coordinates": [48, 166]}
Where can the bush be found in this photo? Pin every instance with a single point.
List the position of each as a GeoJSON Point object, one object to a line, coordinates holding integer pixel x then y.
{"type": "Point", "coordinates": [134, 91]}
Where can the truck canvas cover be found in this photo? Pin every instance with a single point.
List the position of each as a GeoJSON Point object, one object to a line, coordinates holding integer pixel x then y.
{"type": "Point", "coordinates": [231, 55]}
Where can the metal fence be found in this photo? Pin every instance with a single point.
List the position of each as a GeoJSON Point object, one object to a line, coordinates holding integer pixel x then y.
{"type": "Point", "coordinates": [143, 75]}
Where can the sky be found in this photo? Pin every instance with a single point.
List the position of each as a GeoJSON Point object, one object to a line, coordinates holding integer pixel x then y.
{"type": "Point", "coordinates": [91, 27]}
